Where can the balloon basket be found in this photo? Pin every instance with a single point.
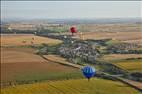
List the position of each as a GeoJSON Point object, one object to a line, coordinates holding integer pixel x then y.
{"type": "Point", "coordinates": [88, 80]}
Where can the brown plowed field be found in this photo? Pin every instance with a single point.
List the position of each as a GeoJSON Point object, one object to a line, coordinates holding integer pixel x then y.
{"type": "Point", "coordinates": [19, 61]}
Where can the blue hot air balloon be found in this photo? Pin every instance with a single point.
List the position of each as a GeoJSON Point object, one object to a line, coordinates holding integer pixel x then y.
{"type": "Point", "coordinates": [88, 72]}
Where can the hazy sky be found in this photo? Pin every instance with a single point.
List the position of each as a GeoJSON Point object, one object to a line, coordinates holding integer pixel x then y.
{"type": "Point", "coordinates": [70, 9]}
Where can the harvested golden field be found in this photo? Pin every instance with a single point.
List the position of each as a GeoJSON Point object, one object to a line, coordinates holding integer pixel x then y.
{"type": "Point", "coordinates": [129, 62]}
{"type": "Point", "coordinates": [114, 35]}
{"type": "Point", "coordinates": [79, 86]}
{"type": "Point", "coordinates": [25, 39]}
{"type": "Point", "coordinates": [130, 65]}
{"type": "Point", "coordinates": [22, 27]}
{"type": "Point", "coordinates": [110, 27]}
{"type": "Point", "coordinates": [120, 56]}
{"type": "Point", "coordinates": [137, 41]}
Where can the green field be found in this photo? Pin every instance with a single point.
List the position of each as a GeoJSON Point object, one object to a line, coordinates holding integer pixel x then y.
{"type": "Point", "coordinates": [112, 42]}
{"type": "Point", "coordinates": [128, 62]}
{"type": "Point", "coordinates": [80, 86]}
{"type": "Point", "coordinates": [42, 76]}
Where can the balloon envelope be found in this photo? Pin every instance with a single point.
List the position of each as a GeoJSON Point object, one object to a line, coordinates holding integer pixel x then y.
{"type": "Point", "coordinates": [73, 30]}
{"type": "Point", "coordinates": [88, 71]}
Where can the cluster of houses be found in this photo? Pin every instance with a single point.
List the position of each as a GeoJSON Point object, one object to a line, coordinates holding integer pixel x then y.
{"type": "Point", "coordinates": [125, 48]}
{"type": "Point", "coordinates": [83, 50]}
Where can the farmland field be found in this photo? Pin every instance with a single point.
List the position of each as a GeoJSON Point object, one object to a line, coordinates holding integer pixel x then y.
{"type": "Point", "coordinates": [79, 86]}
{"type": "Point", "coordinates": [130, 65]}
{"type": "Point", "coordinates": [23, 64]}
{"type": "Point", "coordinates": [25, 39]}
{"type": "Point", "coordinates": [128, 62]}
{"type": "Point", "coordinates": [113, 57]}
{"type": "Point", "coordinates": [59, 47]}
{"type": "Point", "coordinates": [128, 37]}
{"type": "Point", "coordinates": [20, 64]}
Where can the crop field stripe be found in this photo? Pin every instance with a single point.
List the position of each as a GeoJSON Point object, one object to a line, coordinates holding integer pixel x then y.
{"type": "Point", "coordinates": [75, 90]}
{"type": "Point", "coordinates": [130, 66]}
{"type": "Point", "coordinates": [76, 87]}
{"type": "Point", "coordinates": [80, 86]}
{"type": "Point", "coordinates": [67, 88]}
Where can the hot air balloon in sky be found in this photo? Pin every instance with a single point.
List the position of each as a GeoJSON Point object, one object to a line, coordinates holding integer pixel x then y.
{"type": "Point", "coordinates": [88, 72]}
{"type": "Point", "coordinates": [73, 30]}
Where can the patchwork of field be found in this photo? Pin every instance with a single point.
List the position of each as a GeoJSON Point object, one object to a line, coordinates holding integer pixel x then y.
{"type": "Point", "coordinates": [128, 62]}
{"type": "Point", "coordinates": [128, 37]}
{"type": "Point", "coordinates": [137, 41]}
{"type": "Point", "coordinates": [110, 27]}
{"type": "Point", "coordinates": [79, 86]}
{"type": "Point", "coordinates": [130, 65]}
{"type": "Point", "coordinates": [113, 57]}
{"type": "Point", "coordinates": [20, 63]}
{"type": "Point", "coordinates": [23, 64]}
{"type": "Point", "coordinates": [26, 39]}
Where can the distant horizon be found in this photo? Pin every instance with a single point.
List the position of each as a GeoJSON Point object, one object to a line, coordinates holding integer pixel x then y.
{"type": "Point", "coordinates": [77, 21]}
{"type": "Point", "coordinates": [72, 18]}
